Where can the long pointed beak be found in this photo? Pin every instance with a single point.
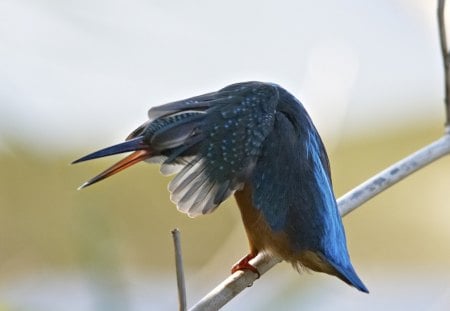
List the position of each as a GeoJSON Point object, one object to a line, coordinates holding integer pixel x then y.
{"type": "Point", "coordinates": [141, 152]}
{"type": "Point", "coordinates": [129, 145]}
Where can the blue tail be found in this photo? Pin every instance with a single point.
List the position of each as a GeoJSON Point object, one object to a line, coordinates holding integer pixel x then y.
{"type": "Point", "coordinates": [349, 276]}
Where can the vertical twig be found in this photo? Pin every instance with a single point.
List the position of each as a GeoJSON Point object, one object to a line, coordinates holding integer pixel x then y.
{"type": "Point", "coordinates": [445, 57]}
{"type": "Point", "coordinates": [179, 269]}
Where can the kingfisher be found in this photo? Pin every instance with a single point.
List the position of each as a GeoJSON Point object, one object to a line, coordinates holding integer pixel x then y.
{"type": "Point", "coordinates": [256, 141]}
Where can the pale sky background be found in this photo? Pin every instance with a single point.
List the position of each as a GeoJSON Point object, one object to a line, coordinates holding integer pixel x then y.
{"type": "Point", "coordinates": [82, 74]}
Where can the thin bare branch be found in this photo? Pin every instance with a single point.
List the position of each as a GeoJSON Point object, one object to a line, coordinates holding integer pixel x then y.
{"type": "Point", "coordinates": [393, 174]}
{"type": "Point", "coordinates": [240, 280]}
{"type": "Point", "coordinates": [234, 284]}
{"type": "Point", "coordinates": [180, 271]}
{"type": "Point", "coordinates": [445, 56]}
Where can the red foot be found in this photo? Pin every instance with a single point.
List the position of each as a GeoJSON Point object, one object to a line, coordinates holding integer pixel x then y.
{"type": "Point", "coordinates": [244, 264]}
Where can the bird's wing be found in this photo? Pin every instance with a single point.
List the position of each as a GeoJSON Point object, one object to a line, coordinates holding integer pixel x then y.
{"type": "Point", "coordinates": [291, 184]}
{"type": "Point", "coordinates": [273, 178]}
{"type": "Point", "coordinates": [235, 123]}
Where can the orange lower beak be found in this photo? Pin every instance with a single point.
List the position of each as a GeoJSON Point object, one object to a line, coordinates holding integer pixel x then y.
{"type": "Point", "coordinates": [133, 158]}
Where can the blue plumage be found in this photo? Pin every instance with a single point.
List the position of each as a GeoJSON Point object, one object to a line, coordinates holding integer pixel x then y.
{"type": "Point", "coordinates": [254, 140]}
{"type": "Point", "coordinates": [306, 208]}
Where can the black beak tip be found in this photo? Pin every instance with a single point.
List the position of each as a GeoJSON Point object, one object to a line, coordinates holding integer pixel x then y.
{"type": "Point", "coordinates": [82, 159]}
{"type": "Point", "coordinates": [87, 157]}
{"type": "Point", "coordinates": [84, 185]}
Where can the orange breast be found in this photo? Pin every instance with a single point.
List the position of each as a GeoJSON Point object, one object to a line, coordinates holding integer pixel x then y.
{"type": "Point", "coordinates": [263, 239]}
{"type": "Point", "coordinates": [260, 235]}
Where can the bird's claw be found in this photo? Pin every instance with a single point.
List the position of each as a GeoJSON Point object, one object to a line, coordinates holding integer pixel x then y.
{"type": "Point", "coordinates": [244, 264]}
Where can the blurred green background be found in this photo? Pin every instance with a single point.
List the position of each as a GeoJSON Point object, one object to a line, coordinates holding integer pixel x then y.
{"type": "Point", "coordinates": [76, 76]}
{"type": "Point", "coordinates": [116, 235]}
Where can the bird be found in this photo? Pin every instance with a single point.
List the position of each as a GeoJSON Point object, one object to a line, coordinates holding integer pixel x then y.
{"type": "Point", "coordinates": [256, 141]}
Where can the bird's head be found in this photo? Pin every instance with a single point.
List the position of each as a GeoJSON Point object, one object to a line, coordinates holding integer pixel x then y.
{"type": "Point", "coordinates": [140, 152]}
